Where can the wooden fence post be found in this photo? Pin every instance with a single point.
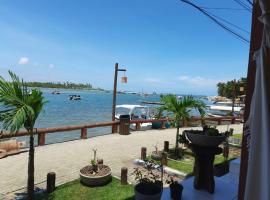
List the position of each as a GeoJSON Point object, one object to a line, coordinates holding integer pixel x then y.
{"type": "Point", "coordinates": [84, 133]}
{"type": "Point", "coordinates": [124, 172]}
{"type": "Point", "coordinates": [143, 153]}
{"type": "Point", "coordinates": [166, 146]}
{"type": "Point", "coordinates": [51, 182]}
{"type": "Point", "coordinates": [138, 126]}
{"type": "Point", "coordinates": [233, 120]}
{"type": "Point", "coordinates": [41, 139]}
{"type": "Point", "coordinates": [185, 123]}
{"type": "Point", "coordinates": [219, 121]}
{"type": "Point", "coordinates": [163, 124]}
{"type": "Point", "coordinates": [164, 159]}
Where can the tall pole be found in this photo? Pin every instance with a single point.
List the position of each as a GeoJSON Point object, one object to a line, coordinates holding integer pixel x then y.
{"type": "Point", "coordinates": [114, 128]}
{"type": "Point", "coordinates": [234, 96]}
{"type": "Point", "coordinates": [255, 43]}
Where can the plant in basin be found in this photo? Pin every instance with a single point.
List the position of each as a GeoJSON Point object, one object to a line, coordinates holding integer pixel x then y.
{"type": "Point", "coordinates": [149, 185]}
{"type": "Point", "coordinates": [95, 174]}
{"type": "Point", "coordinates": [157, 154]}
{"type": "Point", "coordinates": [208, 137]}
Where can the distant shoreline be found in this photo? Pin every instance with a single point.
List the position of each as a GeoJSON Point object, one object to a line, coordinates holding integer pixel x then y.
{"type": "Point", "coordinates": [64, 85]}
{"type": "Point", "coordinates": [74, 88]}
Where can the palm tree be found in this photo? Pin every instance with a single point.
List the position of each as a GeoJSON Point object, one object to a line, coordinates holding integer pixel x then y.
{"type": "Point", "coordinates": [180, 109]}
{"type": "Point", "coordinates": [20, 108]}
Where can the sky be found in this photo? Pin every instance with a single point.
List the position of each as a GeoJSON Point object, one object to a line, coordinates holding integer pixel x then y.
{"type": "Point", "coordinates": [165, 45]}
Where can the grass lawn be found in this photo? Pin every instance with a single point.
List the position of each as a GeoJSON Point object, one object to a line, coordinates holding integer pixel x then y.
{"type": "Point", "coordinates": [186, 164]}
{"type": "Point", "coordinates": [238, 136]}
{"type": "Point", "coordinates": [75, 190]}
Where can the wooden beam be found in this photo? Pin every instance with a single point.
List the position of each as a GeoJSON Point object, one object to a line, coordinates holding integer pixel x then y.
{"type": "Point", "coordinates": [255, 43]}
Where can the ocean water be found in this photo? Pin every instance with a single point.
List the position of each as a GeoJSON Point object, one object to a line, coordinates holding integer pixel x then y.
{"type": "Point", "coordinates": [94, 107]}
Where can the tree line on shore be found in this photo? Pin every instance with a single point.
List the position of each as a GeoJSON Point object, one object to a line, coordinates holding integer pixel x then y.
{"type": "Point", "coordinates": [65, 85]}
{"type": "Point", "coordinates": [233, 88]}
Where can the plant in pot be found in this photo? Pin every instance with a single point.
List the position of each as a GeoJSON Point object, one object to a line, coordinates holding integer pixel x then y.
{"type": "Point", "coordinates": [224, 167]}
{"type": "Point", "coordinates": [175, 188]}
{"type": "Point", "coordinates": [95, 174]}
{"type": "Point", "coordinates": [156, 155]}
{"type": "Point", "coordinates": [149, 186]}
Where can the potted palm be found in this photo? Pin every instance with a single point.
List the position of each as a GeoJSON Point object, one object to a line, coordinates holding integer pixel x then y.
{"type": "Point", "coordinates": [180, 110]}
{"type": "Point", "coordinates": [19, 109]}
{"type": "Point", "coordinates": [149, 186]}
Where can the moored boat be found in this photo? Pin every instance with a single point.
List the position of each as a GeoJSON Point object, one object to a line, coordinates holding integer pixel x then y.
{"type": "Point", "coordinates": [74, 97]}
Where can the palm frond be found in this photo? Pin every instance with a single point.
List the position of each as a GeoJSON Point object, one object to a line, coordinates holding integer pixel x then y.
{"type": "Point", "coordinates": [18, 107]}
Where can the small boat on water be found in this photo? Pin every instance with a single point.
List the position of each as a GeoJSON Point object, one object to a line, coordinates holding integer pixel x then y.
{"type": "Point", "coordinates": [74, 97]}
{"type": "Point", "coordinates": [224, 110]}
{"type": "Point", "coordinates": [136, 112]}
{"type": "Point", "coordinates": [56, 92]}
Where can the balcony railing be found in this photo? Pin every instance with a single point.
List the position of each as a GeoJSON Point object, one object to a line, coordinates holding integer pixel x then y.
{"type": "Point", "coordinates": [41, 132]}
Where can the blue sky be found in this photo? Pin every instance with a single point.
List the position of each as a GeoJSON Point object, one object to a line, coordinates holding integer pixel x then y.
{"type": "Point", "coordinates": [165, 45]}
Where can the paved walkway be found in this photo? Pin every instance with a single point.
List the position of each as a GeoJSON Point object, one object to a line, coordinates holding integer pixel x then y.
{"type": "Point", "coordinates": [66, 159]}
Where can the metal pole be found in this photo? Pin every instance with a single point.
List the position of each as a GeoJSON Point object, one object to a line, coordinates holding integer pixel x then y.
{"type": "Point", "coordinates": [114, 127]}
{"type": "Point", "coordinates": [234, 96]}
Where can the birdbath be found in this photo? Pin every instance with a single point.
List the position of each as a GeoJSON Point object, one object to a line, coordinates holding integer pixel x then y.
{"type": "Point", "coordinates": [203, 169]}
{"type": "Point", "coordinates": [204, 147]}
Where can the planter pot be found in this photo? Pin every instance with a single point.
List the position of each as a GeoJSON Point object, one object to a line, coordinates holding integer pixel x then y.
{"type": "Point", "coordinates": [156, 155]}
{"type": "Point", "coordinates": [147, 191]}
{"type": "Point", "coordinates": [176, 191]}
{"type": "Point", "coordinates": [197, 138]}
{"type": "Point", "coordinates": [221, 169]}
{"type": "Point", "coordinates": [156, 125]}
{"type": "Point", "coordinates": [98, 179]}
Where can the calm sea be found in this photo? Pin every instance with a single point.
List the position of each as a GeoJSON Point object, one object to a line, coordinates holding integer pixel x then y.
{"type": "Point", "coordinates": [94, 107]}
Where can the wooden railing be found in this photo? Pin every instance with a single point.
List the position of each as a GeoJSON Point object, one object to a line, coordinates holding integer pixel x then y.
{"type": "Point", "coordinates": [41, 132]}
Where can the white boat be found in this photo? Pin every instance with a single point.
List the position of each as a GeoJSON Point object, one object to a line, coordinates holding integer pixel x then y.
{"type": "Point", "coordinates": [56, 92]}
{"type": "Point", "coordinates": [219, 110]}
{"type": "Point", "coordinates": [136, 112]}
{"type": "Point", "coordinates": [74, 97]}
{"type": "Point", "coordinates": [228, 103]}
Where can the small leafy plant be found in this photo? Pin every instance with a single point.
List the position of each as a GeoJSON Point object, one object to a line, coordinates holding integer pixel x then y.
{"type": "Point", "coordinates": [149, 175]}
{"type": "Point", "coordinates": [211, 131]}
{"type": "Point", "coordinates": [94, 161]}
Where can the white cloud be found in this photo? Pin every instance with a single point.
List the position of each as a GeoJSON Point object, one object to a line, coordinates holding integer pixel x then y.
{"type": "Point", "coordinates": [199, 81]}
{"type": "Point", "coordinates": [183, 78]}
{"type": "Point", "coordinates": [23, 60]}
{"type": "Point", "coordinates": [51, 66]}
{"type": "Point", "coordinates": [153, 80]}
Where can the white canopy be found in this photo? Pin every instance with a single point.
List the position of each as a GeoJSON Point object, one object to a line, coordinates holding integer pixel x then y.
{"type": "Point", "coordinates": [258, 174]}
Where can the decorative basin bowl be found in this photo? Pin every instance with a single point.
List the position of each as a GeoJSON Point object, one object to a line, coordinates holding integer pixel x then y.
{"type": "Point", "coordinates": [204, 140]}
{"type": "Point", "coordinates": [95, 180]}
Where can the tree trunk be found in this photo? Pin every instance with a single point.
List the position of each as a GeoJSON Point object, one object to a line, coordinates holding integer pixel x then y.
{"type": "Point", "coordinates": [30, 181]}
{"type": "Point", "coordinates": [176, 143]}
